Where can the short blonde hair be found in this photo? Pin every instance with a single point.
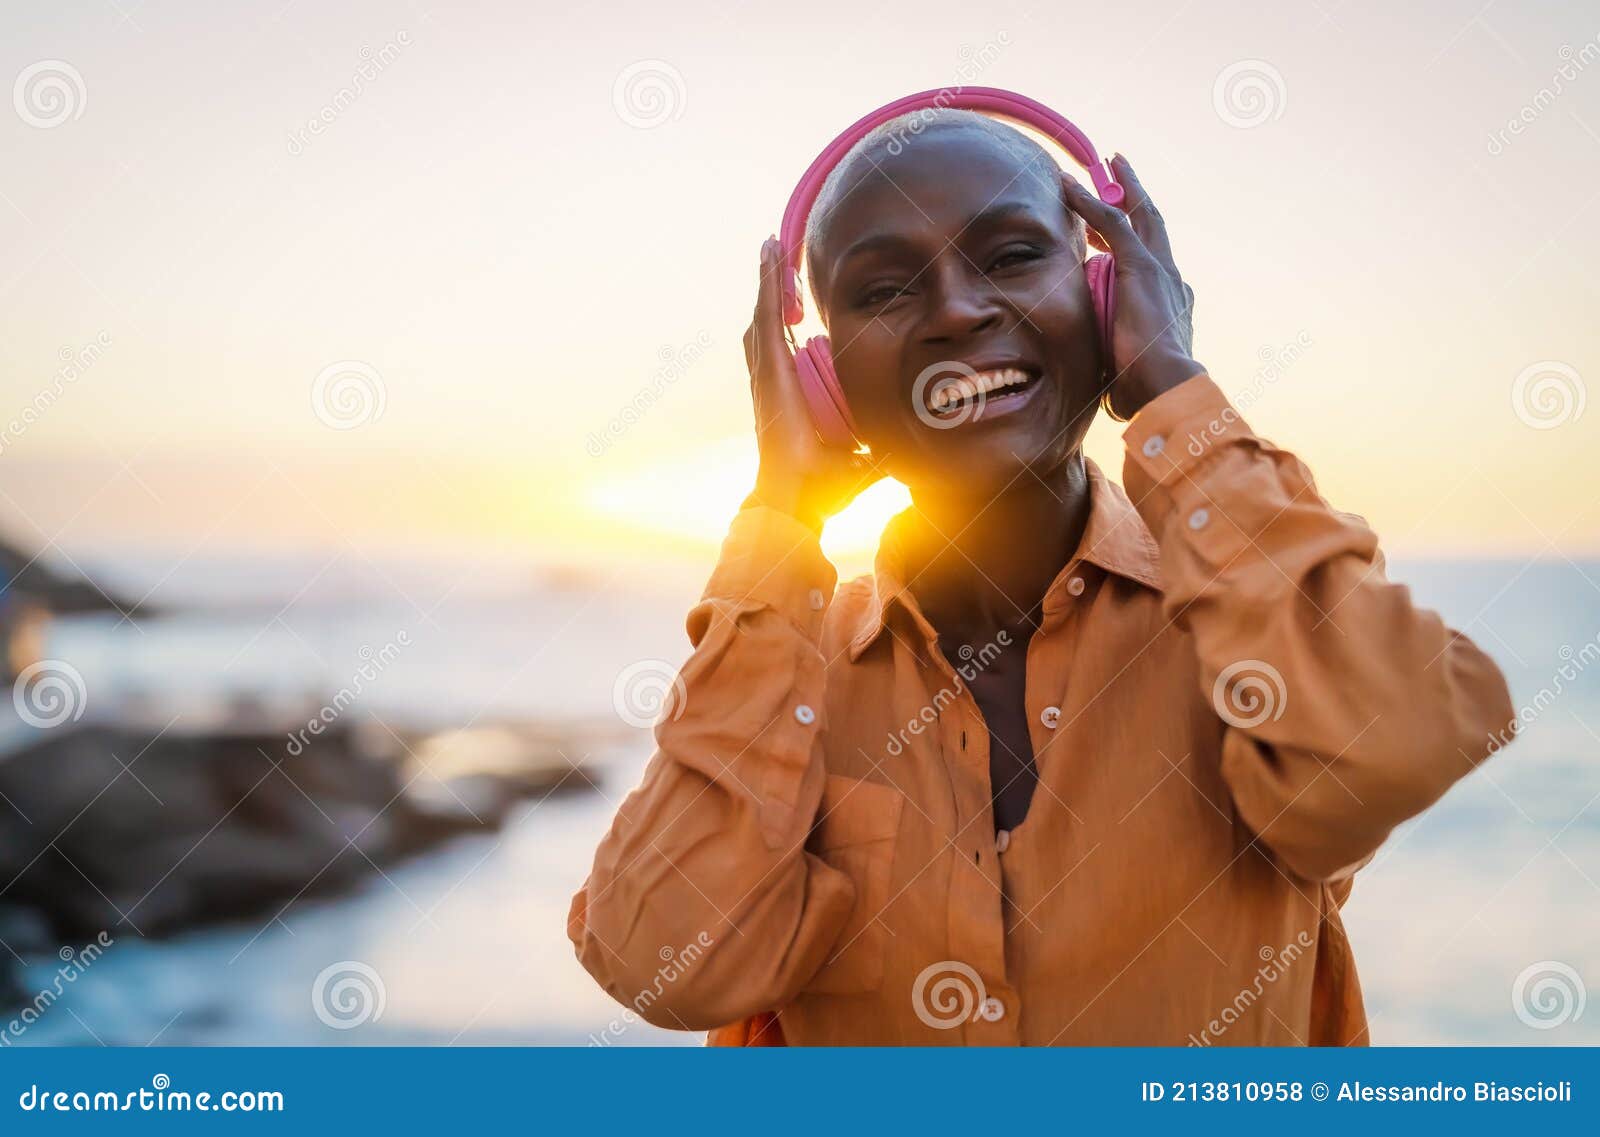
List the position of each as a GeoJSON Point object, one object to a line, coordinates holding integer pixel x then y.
{"type": "Point", "coordinates": [891, 138]}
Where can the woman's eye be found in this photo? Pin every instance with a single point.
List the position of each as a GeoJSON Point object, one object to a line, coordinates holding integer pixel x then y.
{"type": "Point", "coordinates": [1014, 256]}
{"type": "Point", "coordinates": [881, 294]}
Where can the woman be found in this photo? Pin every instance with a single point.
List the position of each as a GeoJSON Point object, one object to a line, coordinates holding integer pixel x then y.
{"type": "Point", "coordinates": [1074, 765]}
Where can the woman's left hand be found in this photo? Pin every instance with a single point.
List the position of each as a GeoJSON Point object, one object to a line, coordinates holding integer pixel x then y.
{"type": "Point", "coordinates": [1153, 331]}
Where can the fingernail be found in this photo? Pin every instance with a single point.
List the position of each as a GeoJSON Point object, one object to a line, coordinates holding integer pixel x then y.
{"type": "Point", "coordinates": [766, 251]}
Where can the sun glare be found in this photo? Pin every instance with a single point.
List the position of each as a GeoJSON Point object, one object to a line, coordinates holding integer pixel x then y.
{"type": "Point", "coordinates": [695, 496]}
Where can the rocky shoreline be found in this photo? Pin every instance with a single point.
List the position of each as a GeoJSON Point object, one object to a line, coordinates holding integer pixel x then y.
{"type": "Point", "coordinates": [150, 830]}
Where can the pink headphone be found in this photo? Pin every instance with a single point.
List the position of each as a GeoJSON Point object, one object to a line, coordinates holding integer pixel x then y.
{"type": "Point", "coordinates": [814, 361]}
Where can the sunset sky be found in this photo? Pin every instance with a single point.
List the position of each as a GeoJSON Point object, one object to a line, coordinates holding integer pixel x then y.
{"type": "Point", "coordinates": [523, 217]}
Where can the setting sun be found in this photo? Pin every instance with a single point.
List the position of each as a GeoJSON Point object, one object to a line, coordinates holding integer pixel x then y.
{"type": "Point", "coordinates": [695, 496]}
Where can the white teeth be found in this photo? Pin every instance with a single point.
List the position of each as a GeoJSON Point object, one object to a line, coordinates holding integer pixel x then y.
{"type": "Point", "coordinates": [963, 388]}
{"type": "Point", "coordinates": [1001, 378]}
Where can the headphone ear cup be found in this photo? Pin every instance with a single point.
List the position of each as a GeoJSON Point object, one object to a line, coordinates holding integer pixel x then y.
{"type": "Point", "coordinates": [813, 363]}
{"type": "Point", "coordinates": [1101, 271]}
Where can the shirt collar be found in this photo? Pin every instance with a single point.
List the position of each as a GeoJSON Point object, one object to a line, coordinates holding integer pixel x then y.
{"type": "Point", "coordinates": [1115, 538]}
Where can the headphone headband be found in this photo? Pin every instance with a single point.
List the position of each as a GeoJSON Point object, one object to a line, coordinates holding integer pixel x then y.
{"type": "Point", "coordinates": [992, 100]}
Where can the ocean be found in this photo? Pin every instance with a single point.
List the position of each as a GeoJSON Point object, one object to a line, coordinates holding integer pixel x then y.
{"type": "Point", "coordinates": [1478, 923]}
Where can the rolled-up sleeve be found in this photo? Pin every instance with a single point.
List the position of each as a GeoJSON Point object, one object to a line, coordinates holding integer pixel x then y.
{"type": "Point", "coordinates": [704, 866]}
{"type": "Point", "coordinates": [1346, 708]}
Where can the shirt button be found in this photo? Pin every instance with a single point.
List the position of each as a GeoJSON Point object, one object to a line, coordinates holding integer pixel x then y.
{"type": "Point", "coordinates": [993, 1010]}
{"type": "Point", "coordinates": [817, 600]}
{"type": "Point", "coordinates": [805, 715]}
{"type": "Point", "coordinates": [1050, 716]}
{"type": "Point", "coordinates": [1154, 445]}
{"type": "Point", "coordinates": [1002, 840]}
{"type": "Point", "coordinates": [1198, 519]}
{"type": "Point", "coordinates": [1075, 586]}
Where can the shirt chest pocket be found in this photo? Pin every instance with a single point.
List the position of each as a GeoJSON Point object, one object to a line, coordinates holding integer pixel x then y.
{"type": "Point", "coordinates": [856, 833]}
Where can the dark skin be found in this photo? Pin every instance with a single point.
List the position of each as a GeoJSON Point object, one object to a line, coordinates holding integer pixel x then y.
{"type": "Point", "coordinates": [955, 251]}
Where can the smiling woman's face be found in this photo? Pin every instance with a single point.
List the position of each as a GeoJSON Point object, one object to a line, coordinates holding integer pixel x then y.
{"type": "Point", "coordinates": [953, 257]}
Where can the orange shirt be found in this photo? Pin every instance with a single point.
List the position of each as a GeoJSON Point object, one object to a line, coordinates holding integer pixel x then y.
{"type": "Point", "coordinates": [1230, 705]}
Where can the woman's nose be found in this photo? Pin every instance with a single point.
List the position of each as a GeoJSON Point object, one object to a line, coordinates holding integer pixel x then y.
{"type": "Point", "coordinates": [961, 302]}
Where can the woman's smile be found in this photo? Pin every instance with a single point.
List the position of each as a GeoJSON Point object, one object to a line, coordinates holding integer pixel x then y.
{"type": "Point", "coordinates": [961, 394]}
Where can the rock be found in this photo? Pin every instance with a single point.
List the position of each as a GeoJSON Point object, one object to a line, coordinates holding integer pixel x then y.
{"type": "Point", "coordinates": [157, 831]}
{"type": "Point", "coordinates": [470, 778]}
{"type": "Point", "coordinates": [24, 931]}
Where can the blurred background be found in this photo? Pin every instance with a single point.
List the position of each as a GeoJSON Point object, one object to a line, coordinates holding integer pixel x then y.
{"type": "Point", "coordinates": [372, 404]}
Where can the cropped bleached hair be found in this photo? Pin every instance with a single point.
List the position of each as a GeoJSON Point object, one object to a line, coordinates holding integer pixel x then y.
{"type": "Point", "coordinates": [891, 138]}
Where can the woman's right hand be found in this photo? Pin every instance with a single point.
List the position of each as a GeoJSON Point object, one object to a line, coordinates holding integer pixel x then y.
{"type": "Point", "coordinates": [799, 473]}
